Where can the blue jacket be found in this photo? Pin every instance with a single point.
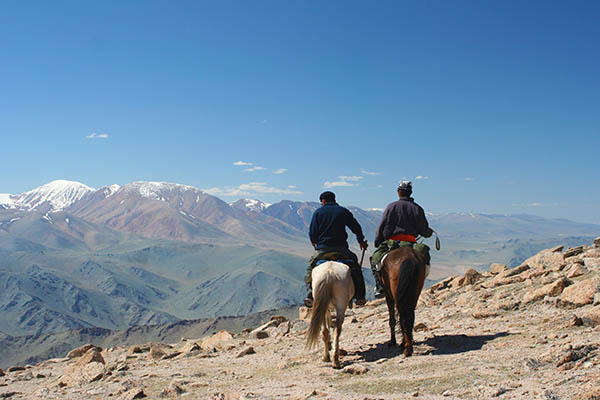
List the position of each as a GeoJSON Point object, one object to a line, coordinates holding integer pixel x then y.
{"type": "Point", "coordinates": [328, 227]}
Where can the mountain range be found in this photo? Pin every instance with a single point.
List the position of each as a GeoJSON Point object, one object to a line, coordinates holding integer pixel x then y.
{"type": "Point", "coordinates": [152, 252]}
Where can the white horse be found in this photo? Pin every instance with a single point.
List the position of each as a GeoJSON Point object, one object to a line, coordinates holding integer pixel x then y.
{"type": "Point", "coordinates": [331, 285]}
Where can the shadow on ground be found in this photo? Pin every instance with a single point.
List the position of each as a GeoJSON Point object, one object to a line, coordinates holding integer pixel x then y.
{"type": "Point", "coordinates": [454, 344]}
{"type": "Point", "coordinates": [438, 345]}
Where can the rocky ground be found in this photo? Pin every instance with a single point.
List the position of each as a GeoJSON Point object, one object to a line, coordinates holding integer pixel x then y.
{"type": "Point", "coordinates": [531, 332]}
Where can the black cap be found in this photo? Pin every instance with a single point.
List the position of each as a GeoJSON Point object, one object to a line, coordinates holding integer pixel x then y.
{"type": "Point", "coordinates": [328, 197]}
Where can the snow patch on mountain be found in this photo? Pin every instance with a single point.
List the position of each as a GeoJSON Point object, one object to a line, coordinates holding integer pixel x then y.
{"type": "Point", "coordinates": [6, 200]}
{"type": "Point", "coordinates": [250, 204]}
{"type": "Point", "coordinates": [57, 194]}
{"type": "Point", "coordinates": [157, 190]}
{"type": "Point", "coordinates": [110, 190]}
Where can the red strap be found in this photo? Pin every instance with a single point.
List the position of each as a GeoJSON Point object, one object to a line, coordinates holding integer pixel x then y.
{"type": "Point", "coordinates": [403, 237]}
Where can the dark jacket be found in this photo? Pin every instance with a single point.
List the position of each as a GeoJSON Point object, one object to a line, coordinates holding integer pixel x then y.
{"type": "Point", "coordinates": [402, 216]}
{"type": "Point", "coordinates": [328, 227]}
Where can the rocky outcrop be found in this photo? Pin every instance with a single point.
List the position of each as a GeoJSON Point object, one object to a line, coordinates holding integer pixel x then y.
{"type": "Point", "coordinates": [89, 368]}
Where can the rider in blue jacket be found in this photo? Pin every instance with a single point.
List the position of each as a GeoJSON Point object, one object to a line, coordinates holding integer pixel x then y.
{"type": "Point", "coordinates": [328, 235]}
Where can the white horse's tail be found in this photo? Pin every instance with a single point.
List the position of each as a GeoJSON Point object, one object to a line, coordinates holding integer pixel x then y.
{"type": "Point", "coordinates": [322, 294]}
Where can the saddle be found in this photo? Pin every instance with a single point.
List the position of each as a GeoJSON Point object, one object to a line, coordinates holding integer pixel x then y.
{"type": "Point", "coordinates": [333, 256]}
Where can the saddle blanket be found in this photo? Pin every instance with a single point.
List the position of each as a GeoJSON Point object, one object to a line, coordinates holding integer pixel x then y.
{"type": "Point", "coordinates": [427, 266]}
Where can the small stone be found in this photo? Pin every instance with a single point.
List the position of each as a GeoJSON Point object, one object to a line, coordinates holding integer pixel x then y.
{"type": "Point", "coordinates": [420, 327]}
{"type": "Point", "coordinates": [134, 350]}
{"type": "Point", "coordinates": [447, 393]}
{"type": "Point", "coordinates": [246, 351]}
{"type": "Point", "coordinates": [355, 369]}
{"type": "Point", "coordinates": [134, 394]}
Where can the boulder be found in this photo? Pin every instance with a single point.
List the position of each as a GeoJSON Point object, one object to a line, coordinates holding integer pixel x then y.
{"type": "Point", "coordinates": [443, 284]}
{"type": "Point", "coordinates": [215, 341]}
{"type": "Point", "coordinates": [89, 368]}
{"type": "Point", "coordinates": [581, 293]}
{"type": "Point", "coordinates": [279, 318]}
{"type": "Point", "coordinates": [78, 352]}
{"type": "Point", "coordinates": [471, 277]}
{"type": "Point", "coordinates": [134, 350]}
{"type": "Point", "coordinates": [190, 347]}
{"type": "Point", "coordinates": [597, 242]}
{"type": "Point", "coordinates": [592, 317]}
{"type": "Point", "coordinates": [246, 351]}
{"type": "Point", "coordinates": [575, 270]}
{"type": "Point", "coordinates": [157, 352]}
{"type": "Point", "coordinates": [550, 259]}
{"type": "Point", "coordinates": [497, 268]}
{"type": "Point", "coordinates": [304, 314]}
{"type": "Point", "coordinates": [552, 289]}
{"type": "Point", "coordinates": [573, 251]}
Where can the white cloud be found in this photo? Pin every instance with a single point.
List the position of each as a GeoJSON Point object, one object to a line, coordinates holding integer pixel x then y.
{"type": "Point", "coordinates": [242, 163]}
{"type": "Point", "coordinates": [468, 179]}
{"type": "Point", "coordinates": [95, 135]}
{"type": "Point", "coordinates": [226, 192]}
{"type": "Point", "coordinates": [535, 204]}
{"type": "Point", "coordinates": [261, 187]}
{"type": "Point", "coordinates": [364, 171]}
{"type": "Point", "coordinates": [421, 177]}
{"type": "Point", "coordinates": [255, 168]}
{"type": "Point", "coordinates": [351, 178]}
{"type": "Point", "coordinates": [280, 171]}
{"type": "Point", "coordinates": [247, 189]}
{"type": "Point", "coordinates": [343, 181]}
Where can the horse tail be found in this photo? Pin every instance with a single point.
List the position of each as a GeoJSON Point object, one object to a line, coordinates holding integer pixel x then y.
{"type": "Point", "coordinates": [322, 298]}
{"type": "Point", "coordinates": [406, 292]}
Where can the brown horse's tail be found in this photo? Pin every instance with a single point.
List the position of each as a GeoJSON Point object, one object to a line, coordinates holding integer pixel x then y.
{"type": "Point", "coordinates": [406, 292]}
{"type": "Point", "coordinates": [322, 297]}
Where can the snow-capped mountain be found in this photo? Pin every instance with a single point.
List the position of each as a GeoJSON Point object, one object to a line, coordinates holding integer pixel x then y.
{"type": "Point", "coordinates": [163, 191]}
{"type": "Point", "coordinates": [54, 196]}
{"type": "Point", "coordinates": [250, 204]}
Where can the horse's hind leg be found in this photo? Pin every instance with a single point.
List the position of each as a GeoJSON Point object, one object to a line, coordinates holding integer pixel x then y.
{"type": "Point", "coordinates": [407, 321]}
{"type": "Point", "coordinates": [339, 320]}
{"type": "Point", "coordinates": [392, 318]}
{"type": "Point", "coordinates": [326, 343]}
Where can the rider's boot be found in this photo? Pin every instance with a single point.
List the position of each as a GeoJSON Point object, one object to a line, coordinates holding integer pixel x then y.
{"type": "Point", "coordinates": [308, 301]}
{"type": "Point", "coordinates": [379, 289]}
{"type": "Point", "coordinates": [359, 285]}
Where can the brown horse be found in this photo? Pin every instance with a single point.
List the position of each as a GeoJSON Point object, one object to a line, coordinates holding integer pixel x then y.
{"type": "Point", "coordinates": [403, 274]}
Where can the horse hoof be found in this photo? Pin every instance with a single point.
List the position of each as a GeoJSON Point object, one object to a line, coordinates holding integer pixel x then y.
{"type": "Point", "coordinates": [408, 352]}
{"type": "Point", "coordinates": [336, 365]}
{"type": "Point", "coordinates": [326, 359]}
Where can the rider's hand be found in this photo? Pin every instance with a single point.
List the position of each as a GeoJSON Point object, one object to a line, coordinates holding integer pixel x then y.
{"type": "Point", "coordinates": [363, 245]}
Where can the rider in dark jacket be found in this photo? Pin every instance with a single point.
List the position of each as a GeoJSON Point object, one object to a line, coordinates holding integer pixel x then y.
{"type": "Point", "coordinates": [403, 220]}
{"type": "Point", "coordinates": [328, 235]}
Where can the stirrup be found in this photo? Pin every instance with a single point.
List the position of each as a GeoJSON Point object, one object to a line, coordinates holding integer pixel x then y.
{"type": "Point", "coordinates": [308, 302]}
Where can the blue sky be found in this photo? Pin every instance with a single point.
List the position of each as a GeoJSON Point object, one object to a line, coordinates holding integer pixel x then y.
{"type": "Point", "coordinates": [487, 106]}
